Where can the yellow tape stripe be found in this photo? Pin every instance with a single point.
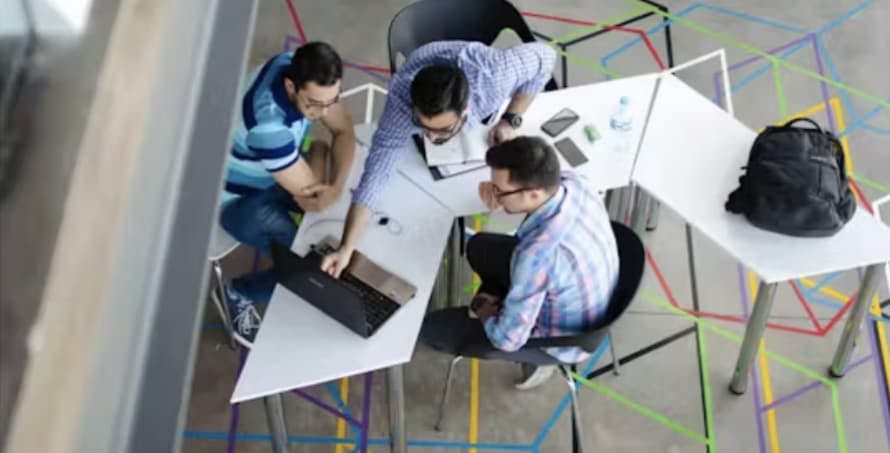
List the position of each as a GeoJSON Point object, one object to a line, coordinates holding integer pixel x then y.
{"type": "Point", "coordinates": [768, 397]}
{"type": "Point", "coordinates": [341, 424]}
{"type": "Point", "coordinates": [474, 375]}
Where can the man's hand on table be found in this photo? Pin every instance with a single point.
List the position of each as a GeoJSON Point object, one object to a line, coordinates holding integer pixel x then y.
{"type": "Point", "coordinates": [335, 262]}
{"type": "Point", "coordinates": [317, 197]}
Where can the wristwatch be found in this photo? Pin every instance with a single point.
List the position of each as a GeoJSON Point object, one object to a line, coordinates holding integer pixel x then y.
{"type": "Point", "coordinates": [513, 119]}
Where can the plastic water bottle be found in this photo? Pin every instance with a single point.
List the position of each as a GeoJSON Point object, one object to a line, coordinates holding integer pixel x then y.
{"type": "Point", "coordinates": [621, 122]}
{"type": "Point", "coordinates": [622, 119]}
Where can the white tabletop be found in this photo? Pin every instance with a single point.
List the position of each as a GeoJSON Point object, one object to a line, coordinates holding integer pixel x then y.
{"type": "Point", "coordinates": [298, 345]}
{"type": "Point", "coordinates": [691, 159]}
{"type": "Point", "coordinates": [606, 168]}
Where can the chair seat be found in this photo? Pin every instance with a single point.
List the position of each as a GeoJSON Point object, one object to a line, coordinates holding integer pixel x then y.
{"type": "Point", "coordinates": [221, 243]}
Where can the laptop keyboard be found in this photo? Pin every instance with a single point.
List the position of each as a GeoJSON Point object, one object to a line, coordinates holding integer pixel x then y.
{"type": "Point", "coordinates": [378, 308]}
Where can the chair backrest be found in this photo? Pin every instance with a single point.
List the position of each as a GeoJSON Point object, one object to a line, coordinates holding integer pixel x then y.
{"type": "Point", "coordinates": [632, 263]}
{"type": "Point", "coordinates": [466, 20]}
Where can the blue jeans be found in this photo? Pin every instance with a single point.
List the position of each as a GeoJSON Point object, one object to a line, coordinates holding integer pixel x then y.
{"type": "Point", "coordinates": [255, 219]}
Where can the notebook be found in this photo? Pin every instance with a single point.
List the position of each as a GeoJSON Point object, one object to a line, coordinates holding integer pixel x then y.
{"type": "Point", "coordinates": [469, 146]}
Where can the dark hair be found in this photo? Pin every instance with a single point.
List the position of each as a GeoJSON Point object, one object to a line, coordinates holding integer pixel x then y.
{"type": "Point", "coordinates": [531, 162]}
{"type": "Point", "coordinates": [315, 62]}
{"type": "Point", "coordinates": [440, 88]}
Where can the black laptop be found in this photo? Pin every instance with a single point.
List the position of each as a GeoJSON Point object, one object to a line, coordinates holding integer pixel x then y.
{"type": "Point", "coordinates": [362, 299]}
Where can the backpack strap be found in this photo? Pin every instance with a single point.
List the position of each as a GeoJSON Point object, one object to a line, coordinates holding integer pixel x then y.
{"type": "Point", "coordinates": [807, 120]}
{"type": "Point", "coordinates": [838, 154]}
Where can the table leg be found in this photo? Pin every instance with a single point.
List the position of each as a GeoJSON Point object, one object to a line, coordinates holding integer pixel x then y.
{"type": "Point", "coordinates": [652, 217]}
{"type": "Point", "coordinates": [454, 262]}
{"type": "Point", "coordinates": [640, 211]}
{"type": "Point", "coordinates": [854, 321]}
{"type": "Point", "coordinates": [277, 424]}
{"type": "Point", "coordinates": [753, 334]}
{"type": "Point", "coordinates": [396, 390]}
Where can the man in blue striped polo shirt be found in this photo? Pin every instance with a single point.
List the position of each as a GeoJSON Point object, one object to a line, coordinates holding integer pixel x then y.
{"type": "Point", "coordinates": [269, 177]}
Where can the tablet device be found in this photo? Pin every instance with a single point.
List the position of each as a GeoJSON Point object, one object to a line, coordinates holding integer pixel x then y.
{"type": "Point", "coordinates": [570, 152]}
{"type": "Point", "coordinates": [559, 122]}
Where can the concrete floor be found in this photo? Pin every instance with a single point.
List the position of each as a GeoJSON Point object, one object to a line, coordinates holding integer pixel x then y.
{"type": "Point", "coordinates": [656, 404]}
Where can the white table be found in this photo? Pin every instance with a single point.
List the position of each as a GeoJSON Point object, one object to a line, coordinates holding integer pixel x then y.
{"type": "Point", "coordinates": [690, 160]}
{"type": "Point", "coordinates": [594, 103]}
{"type": "Point", "coordinates": [298, 345]}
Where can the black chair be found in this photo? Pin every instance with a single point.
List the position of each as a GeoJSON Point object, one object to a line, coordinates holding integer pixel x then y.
{"type": "Point", "coordinates": [467, 20]}
{"type": "Point", "coordinates": [632, 262]}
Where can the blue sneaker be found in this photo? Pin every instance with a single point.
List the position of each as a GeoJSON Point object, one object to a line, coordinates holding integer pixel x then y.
{"type": "Point", "coordinates": [244, 317]}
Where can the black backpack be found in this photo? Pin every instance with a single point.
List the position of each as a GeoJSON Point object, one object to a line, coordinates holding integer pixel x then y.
{"type": "Point", "coordinates": [795, 182]}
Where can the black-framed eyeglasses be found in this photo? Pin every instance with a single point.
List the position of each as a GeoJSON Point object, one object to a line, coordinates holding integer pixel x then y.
{"type": "Point", "coordinates": [501, 194]}
{"type": "Point", "coordinates": [440, 136]}
{"type": "Point", "coordinates": [319, 105]}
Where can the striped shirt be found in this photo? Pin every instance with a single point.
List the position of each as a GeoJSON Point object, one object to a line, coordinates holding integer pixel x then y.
{"type": "Point", "coordinates": [562, 271]}
{"type": "Point", "coordinates": [268, 134]}
{"type": "Point", "coordinates": [494, 76]}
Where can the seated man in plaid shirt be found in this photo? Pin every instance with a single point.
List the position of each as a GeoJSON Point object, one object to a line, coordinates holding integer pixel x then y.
{"type": "Point", "coordinates": [553, 278]}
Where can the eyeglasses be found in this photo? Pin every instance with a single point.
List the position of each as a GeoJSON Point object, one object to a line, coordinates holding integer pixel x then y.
{"type": "Point", "coordinates": [440, 136]}
{"type": "Point", "coordinates": [318, 106]}
{"type": "Point", "coordinates": [498, 193]}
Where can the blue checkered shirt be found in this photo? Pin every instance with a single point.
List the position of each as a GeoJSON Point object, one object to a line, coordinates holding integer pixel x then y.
{"type": "Point", "coordinates": [562, 272]}
{"type": "Point", "coordinates": [494, 76]}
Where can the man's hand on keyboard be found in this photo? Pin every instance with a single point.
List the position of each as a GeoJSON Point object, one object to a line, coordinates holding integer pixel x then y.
{"type": "Point", "coordinates": [334, 263]}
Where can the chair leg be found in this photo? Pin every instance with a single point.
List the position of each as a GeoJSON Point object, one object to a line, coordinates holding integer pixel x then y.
{"type": "Point", "coordinates": [615, 369]}
{"type": "Point", "coordinates": [577, 431]}
{"type": "Point", "coordinates": [446, 391]}
{"type": "Point", "coordinates": [219, 297]}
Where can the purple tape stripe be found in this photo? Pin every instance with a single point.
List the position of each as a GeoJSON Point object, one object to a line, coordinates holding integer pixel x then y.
{"type": "Point", "coordinates": [879, 378]}
{"type": "Point", "coordinates": [822, 85]}
{"type": "Point", "coordinates": [791, 396]}
{"type": "Point", "coordinates": [233, 421]}
{"type": "Point", "coordinates": [324, 406]}
{"type": "Point", "coordinates": [747, 61]}
{"type": "Point", "coordinates": [815, 384]}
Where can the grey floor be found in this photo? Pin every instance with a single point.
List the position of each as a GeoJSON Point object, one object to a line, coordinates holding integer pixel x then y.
{"type": "Point", "coordinates": [657, 403]}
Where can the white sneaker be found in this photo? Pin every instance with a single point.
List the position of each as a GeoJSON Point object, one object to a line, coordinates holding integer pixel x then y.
{"type": "Point", "coordinates": [537, 377]}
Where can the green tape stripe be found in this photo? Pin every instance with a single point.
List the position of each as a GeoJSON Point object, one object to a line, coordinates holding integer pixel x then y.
{"type": "Point", "coordinates": [706, 388]}
{"type": "Point", "coordinates": [609, 393]}
{"type": "Point", "coordinates": [838, 420]}
{"type": "Point", "coordinates": [835, 397]}
{"type": "Point", "coordinates": [620, 17]}
{"type": "Point", "coordinates": [869, 183]}
{"type": "Point", "coordinates": [584, 62]}
{"type": "Point", "coordinates": [780, 90]}
{"type": "Point", "coordinates": [756, 51]}
{"type": "Point", "coordinates": [727, 334]}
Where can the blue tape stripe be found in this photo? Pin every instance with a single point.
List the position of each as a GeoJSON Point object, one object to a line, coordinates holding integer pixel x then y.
{"type": "Point", "coordinates": [633, 42]}
{"type": "Point", "coordinates": [251, 437]}
{"type": "Point", "coordinates": [824, 281]}
{"type": "Point", "coordinates": [756, 19]}
{"type": "Point", "coordinates": [845, 17]}
{"type": "Point", "coordinates": [766, 67]}
{"type": "Point", "coordinates": [830, 303]}
{"type": "Point", "coordinates": [548, 425]}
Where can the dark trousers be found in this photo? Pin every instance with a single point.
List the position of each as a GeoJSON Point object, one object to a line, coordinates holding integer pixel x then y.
{"type": "Point", "coordinates": [253, 220]}
{"type": "Point", "coordinates": [452, 331]}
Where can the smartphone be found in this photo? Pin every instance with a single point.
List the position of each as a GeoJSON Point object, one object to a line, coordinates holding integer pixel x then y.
{"type": "Point", "coordinates": [559, 122]}
{"type": "Point", "coordinates": [570, 152]}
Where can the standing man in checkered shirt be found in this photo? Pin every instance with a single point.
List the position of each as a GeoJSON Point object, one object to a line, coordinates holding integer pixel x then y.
{"type": "Point", "coordinates": [441, 88]}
